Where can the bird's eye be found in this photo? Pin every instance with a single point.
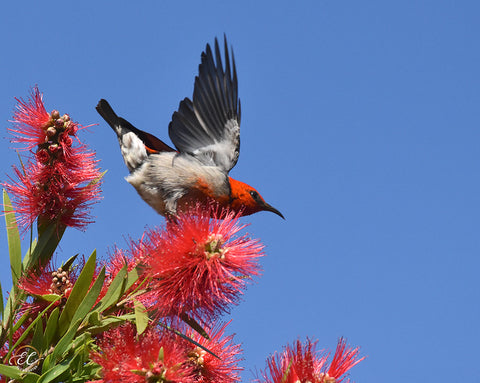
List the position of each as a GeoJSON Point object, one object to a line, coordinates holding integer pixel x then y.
{"type": "Point", "coordinates": [254, 195]}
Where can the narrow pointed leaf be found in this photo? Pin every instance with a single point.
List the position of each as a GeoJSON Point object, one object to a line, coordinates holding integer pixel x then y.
{"type": "Point", "coordinates": [187, 338]}
{"type": "Point", "coordinates": [11, 371]}
{"type": "Point", "coordinates": [13, 236]}
{"type": "Point", "coordinates": [99, 178]}
{"type": "Point", "coordinates": [161, 354]}
{"type": "Point", "coordinates": [109, 323]}
{"type": "Point", "coordinates": [93, 318]}
{"type": "Point", "coordinates": [9, 308]}
{"type": "Point", "coordinates": [115, 290]}
{"type": "Point", "coordinates": [132, 277]}
{"type": "Point", "coordinates": [68, 264]}
{"type": "Point", "coordinates": [38, 340]}
{"type": "Point", "coordinates": [90, 298]}
{"type": "Point", "coordinates": [28, 329]}
{"type": "Point", "coordinates": [79, 291]}
{"type": "Point", "coordinates": [195, 325]}
{"type": "Point", "coordinates": [30, 377]}
{"type": "Point", "coordinates": [20, 321]}
{"type": "Point", "coordinates": [28, 254]}
{"type": "Point", "coordinates": [51, 328]}
{"type": "Point", "coordinates": [66, 341]}
{"type": "Point", "coordinates": [54, 372]}
{"type": "Point", "coordinates": [1, 303]}
{"type": "Point", "coordinates": [46, 245]}
{"type": "Point", "coordinates": [141, 316]}
{"type": "Point", "coordinates": [50, 297]}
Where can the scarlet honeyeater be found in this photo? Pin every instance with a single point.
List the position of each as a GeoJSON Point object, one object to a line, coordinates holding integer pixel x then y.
{"type": "Point", "coordinates": [206, 134]}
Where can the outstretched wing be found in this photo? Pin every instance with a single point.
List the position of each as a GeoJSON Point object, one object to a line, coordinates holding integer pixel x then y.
{"type": "Point", "coordinates": [209, 127]}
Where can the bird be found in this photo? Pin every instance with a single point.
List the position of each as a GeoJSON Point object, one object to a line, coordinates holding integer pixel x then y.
{"type": "Point", "coordinates": [205, 131]}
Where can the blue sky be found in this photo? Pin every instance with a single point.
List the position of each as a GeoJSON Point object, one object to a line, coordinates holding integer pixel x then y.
{"type": "Point", "coordinates": [360, 122]}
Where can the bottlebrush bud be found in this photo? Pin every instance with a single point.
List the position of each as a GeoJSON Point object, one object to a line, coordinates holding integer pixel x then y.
{"type": "Point", "coordinates": [51, 131]}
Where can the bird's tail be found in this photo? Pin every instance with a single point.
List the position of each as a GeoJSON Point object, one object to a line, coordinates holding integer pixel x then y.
{"type": "Point", "coordinates": [134, 151]}
{"type": "Point", "coordinates": [106, 111]}
{"type": "Point", "coordinates": [122, 126]}
{"type": "Point", "coordinates": [135, 144]}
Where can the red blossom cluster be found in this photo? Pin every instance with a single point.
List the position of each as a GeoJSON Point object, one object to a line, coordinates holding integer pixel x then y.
{"type": "Point", "coordinates": [60, 182]}
{"type": "Point", "coordinates": [220, 364]}
{"type": "Point", "coordinates": [159, 355]}
{"type": "Point", "coordinates": [303, 363]}
{"type": "Point", "coordinates": [45, 281]}
{"type": "Point", "coordinates": [196, 265]}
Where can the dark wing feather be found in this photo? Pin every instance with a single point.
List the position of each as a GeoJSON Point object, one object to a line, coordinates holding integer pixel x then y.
{"type": "Point", "coordinates": [209, 127]}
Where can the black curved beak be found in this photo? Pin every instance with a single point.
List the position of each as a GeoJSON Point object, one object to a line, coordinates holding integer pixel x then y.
{"type": "Point", "coordinates": [268, 207]}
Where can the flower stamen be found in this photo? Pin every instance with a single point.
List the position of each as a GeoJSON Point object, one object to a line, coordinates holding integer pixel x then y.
{"type": "Point", "coordinates": [213, 247]}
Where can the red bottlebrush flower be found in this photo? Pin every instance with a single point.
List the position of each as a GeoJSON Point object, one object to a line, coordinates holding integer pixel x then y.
{"type": "Point", "coordinates": [198, 265]}
{"type": "Point", "coordinates": [30, 120]}
{"type": "Point", "coordinates": [152, 356]}
{"type": "Point", "coordinates": [208, 368]}
{"type": "Point", "coordinates": [343, 360]}
{"type": "Point", "coordinates": [297, 363]}
{"type": "Point", "coordinates": [117, 260]}
{"type": "Point", "coordinates": [60, 183]}
{"type": "Point", "coordinates": [44, 281]}
{"type": "Point", "coordinates": [303, 363]}
{"type": "Point", "coordinates": [48, 280]}
{"type": "Point", "coordinates": [113, 264]}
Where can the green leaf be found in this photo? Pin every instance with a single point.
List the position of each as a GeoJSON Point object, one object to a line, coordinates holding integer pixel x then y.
{"type": "Point", "coordinates": [47, 243]}
{"type": "Point", "coordinates": [21, 321]}
{"type": "Point", "coordinates": [82, 346]}
{"type": "Point", "coordinates": [141, 316]}
{"type": "Point", "coordinates": [37, 340]}
{"type": "Point", "coordinates": [161, 354]}
{"type": "Point", "coordinates": [90, 298]}
{"type": "Point", "coordinates": [11, 371]}
{"type": "Point", "coordinates": [13, 235]}
{"type": "Point", "coordinates": [68, 264]}
{"type": "Point", "coordinates": [115, 290]}
{"type": "Point", "coordinates": [18, 375]}
{"type": "Point", "coordinates": [28, 329]}
{"type": "Point", "coordinates": [54, 372]}
{"type": "Point", "coordinates": [79, 291]}
{"type": "Point", "coordinates": [49, 297]}
{"type": "Point", "coordinates": [132, 277]}
{"type": "Point", "coordinates": [187, 338]}
{"type": "Point", "coordinates": [1, 303]}
{"type": "Point", "coordinates": [66, 341]}
{"type": "Point", "coordinates": [93, 318]}
{"type": "Point", "coordinates": [28, 254]}
{"type": "Point", "coordinates": [9, 309]}
{"type": "Point", "coordinates": [92, 370]}
{"type": "Point", "coordinates": [287, 372]}
{"type": "Point", "coordinates": [30, 377]}
{"type": "Point", "coordinates": [109, 323]}
{"type": "Point", "coordinates": [195, 325]}
{"type": "Point", "coordinates": [51, 328]}
{"type": "Point", "coordinates": [98, 179]}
